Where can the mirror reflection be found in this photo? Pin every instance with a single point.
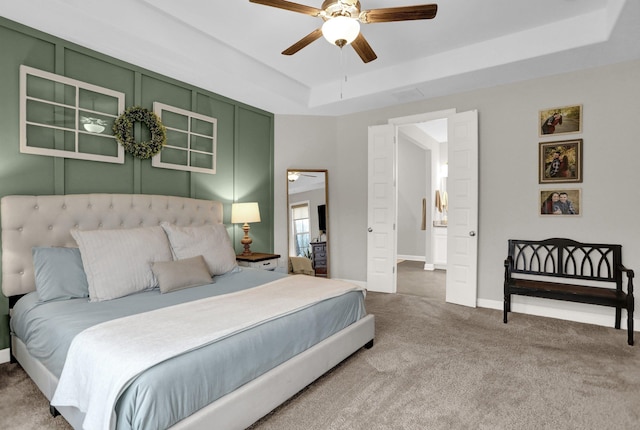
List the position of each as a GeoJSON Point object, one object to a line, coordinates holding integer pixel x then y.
{"type": "Point", "coordinates": [308, 218]}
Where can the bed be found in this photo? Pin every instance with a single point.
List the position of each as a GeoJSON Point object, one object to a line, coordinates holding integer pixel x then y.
{"type": "Point", "coordinates": [223, 377]}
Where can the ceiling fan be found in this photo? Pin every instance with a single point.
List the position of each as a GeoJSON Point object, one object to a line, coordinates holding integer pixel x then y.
{"type": "Point", "coordinates": [294, 176]}
{"type": "Point", "coordinates": [342, 20]}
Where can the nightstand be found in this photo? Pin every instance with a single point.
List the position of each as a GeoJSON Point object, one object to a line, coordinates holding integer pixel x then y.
{"type": "Point", "coordinates": [258, 260]}
{"type": "Point", "coordinates": [319, 256]}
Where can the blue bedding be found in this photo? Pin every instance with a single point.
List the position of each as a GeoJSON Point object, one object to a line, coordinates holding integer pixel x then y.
{"type": "Point", "coordinates": [176, 388]}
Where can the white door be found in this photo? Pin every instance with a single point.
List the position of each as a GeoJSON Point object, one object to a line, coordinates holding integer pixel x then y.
{"type": "Point", "coordinates": [462, 228]}
{"type": "Point", "coordinates": [381, 235]}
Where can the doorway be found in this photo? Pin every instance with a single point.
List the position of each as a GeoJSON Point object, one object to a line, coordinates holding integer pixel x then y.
{"type": "Point", "coordinates": [422, 169]}
{"type": "Point", "coordinates": [462, 129]}
{"type": "Point", "coordinates": [421, 218]}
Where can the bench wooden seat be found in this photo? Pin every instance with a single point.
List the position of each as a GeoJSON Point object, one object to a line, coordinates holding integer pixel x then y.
{"type": "Point", "coordinates": [531, 266]}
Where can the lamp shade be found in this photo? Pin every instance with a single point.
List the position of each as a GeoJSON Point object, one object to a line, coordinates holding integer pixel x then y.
{"type": "Point", "coordinates": [245, 213]}
{"type": "Point", "coordinates": [341, 30]}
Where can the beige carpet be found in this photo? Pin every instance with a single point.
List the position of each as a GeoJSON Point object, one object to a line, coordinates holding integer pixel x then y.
{"type": "Point", "coordinates": [442, 366]}
{"type": "Point", "coordinates": [22, 405]}
{"type": "Point", "coordinates": [414, 280]}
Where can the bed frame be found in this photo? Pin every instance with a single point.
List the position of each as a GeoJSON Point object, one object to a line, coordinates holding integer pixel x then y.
{"type": "Point", "coordinates": [29, 221]}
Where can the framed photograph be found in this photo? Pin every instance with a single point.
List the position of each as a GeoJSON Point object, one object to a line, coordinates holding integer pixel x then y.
{"type": "Point", "coordinates": [560, 161]}
{"type": "Point", "coordinates": [561, 201]}
{"type": "Point", "coordinates": [560, 120]}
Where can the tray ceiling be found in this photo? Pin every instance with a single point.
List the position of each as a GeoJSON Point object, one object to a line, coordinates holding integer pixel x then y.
{"type": "Point", "coordinates": [233, 47]}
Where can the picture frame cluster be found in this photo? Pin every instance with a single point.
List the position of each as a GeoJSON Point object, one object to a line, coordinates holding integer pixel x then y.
{"type": "Point", "coordinates": [560, 161]}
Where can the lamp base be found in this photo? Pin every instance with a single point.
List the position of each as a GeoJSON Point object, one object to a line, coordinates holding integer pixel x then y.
{"type": "Point", "coordinates": [247, 251]}
{"type": "Point", "coordinates": [246, 240]}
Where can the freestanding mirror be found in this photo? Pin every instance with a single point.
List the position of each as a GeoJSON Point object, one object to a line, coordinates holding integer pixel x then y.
{"type": "Point", "coordinates": [308, 221]}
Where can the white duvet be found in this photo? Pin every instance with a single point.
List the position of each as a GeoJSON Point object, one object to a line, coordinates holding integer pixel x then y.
{"type": "Point", "coordinates": [104, 359]}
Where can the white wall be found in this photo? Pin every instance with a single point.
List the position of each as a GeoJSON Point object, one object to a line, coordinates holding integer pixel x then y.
{"type": "Point", "coordinates": [508, 153]}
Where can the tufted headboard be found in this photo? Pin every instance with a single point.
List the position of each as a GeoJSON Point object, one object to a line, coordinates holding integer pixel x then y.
{"type": "Point", "coordinates": [29, 221]}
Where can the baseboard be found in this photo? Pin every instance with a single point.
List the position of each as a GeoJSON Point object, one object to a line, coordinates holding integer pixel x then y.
{"type": "Point", "coordinates": [430, 267]}
{"type": "Point", "coordinates": [4, 355]}
{"type": "Point", "coordinates": [569, 311]}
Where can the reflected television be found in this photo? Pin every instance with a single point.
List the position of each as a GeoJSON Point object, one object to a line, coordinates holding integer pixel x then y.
{"type": "Point", "coordinates": [322, 218]}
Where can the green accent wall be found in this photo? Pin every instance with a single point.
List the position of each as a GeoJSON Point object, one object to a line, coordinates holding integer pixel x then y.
{"type": "Point", "coordinates": [244, 167]}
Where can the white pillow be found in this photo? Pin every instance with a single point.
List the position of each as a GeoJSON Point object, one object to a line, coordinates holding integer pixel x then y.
{"type": "Point", "coordinates": [210, 241]}
{"type": "Point", "coordinates": [118, 262]}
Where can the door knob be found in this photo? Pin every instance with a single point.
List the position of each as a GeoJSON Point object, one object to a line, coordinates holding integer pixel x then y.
{"type": "Point", "coordinates": [369, 229]}
{"type": "Point", "coordinates": [472, 233]}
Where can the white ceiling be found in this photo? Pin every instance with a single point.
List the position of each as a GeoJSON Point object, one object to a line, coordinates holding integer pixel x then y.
{"type": "Point", "coordinates": [436, 129]}
{"type": "Point", "coordinates": [307, 181]}
{"type": "Point", "coordinates": [232, 47]}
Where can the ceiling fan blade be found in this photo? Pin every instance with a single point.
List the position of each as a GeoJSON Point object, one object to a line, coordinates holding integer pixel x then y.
{"type": "Point", "coordinates": [311, 37]}
{"type": "Point", "coordinates": [287, 5]}
{"type": "Point", "coordinates": [363, 49]}
{"type": "Point", "coordinates": [403, 13]}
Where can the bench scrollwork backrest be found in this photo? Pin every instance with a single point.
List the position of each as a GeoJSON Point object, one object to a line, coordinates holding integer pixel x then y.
{"type": "Point", "coordinates": [567, 259]}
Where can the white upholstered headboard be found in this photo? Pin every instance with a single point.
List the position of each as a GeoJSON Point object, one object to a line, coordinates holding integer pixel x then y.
{"type": "Point", "coordinates": [29, 221]}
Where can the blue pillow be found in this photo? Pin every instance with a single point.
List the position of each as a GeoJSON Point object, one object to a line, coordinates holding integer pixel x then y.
{"type": "Point", "coordinates": [59, 273]}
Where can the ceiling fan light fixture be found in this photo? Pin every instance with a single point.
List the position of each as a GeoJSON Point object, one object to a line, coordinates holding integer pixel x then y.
{"type": "Point", "coordinates": [93, 125]}
{"type": "Point", "coordinates": [293, 176]}
{"type": "Point", "coordinates": [341, 30]}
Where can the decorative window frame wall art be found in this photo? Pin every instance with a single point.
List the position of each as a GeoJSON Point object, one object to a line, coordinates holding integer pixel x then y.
{"type": "Point", "coordinates": [560, 161]}
{"type": "Point", "coordinates": [64, 117]}
{"type": "Point", "coordinates": [571, 205]}
{"type": "Point", "coordinates": [191, 140]}
{"type": "Point", "coordinates": [560, 120]}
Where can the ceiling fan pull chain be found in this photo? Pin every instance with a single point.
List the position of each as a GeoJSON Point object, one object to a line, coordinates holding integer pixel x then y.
{"type": "Point", "coordinates": [343, 67]}
{"type": "Point", "coordinates": [343, 72]}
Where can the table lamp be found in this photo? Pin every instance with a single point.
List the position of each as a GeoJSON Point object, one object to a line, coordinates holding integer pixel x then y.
{"type": "Point", "coordinates": [245, 213]}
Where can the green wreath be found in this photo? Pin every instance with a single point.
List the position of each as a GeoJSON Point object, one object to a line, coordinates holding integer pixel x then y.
{"type": "Point", "coordinates": [123, 131]}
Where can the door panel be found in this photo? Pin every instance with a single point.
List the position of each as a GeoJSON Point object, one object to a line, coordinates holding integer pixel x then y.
{"type": "Point", "coordinates": [462, 249]}
{"type": "Point", "coordinates": [381, 236]}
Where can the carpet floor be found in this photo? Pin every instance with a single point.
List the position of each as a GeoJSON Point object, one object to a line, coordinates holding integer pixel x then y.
{"type": "Point", "coordinates": [441, 366]}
